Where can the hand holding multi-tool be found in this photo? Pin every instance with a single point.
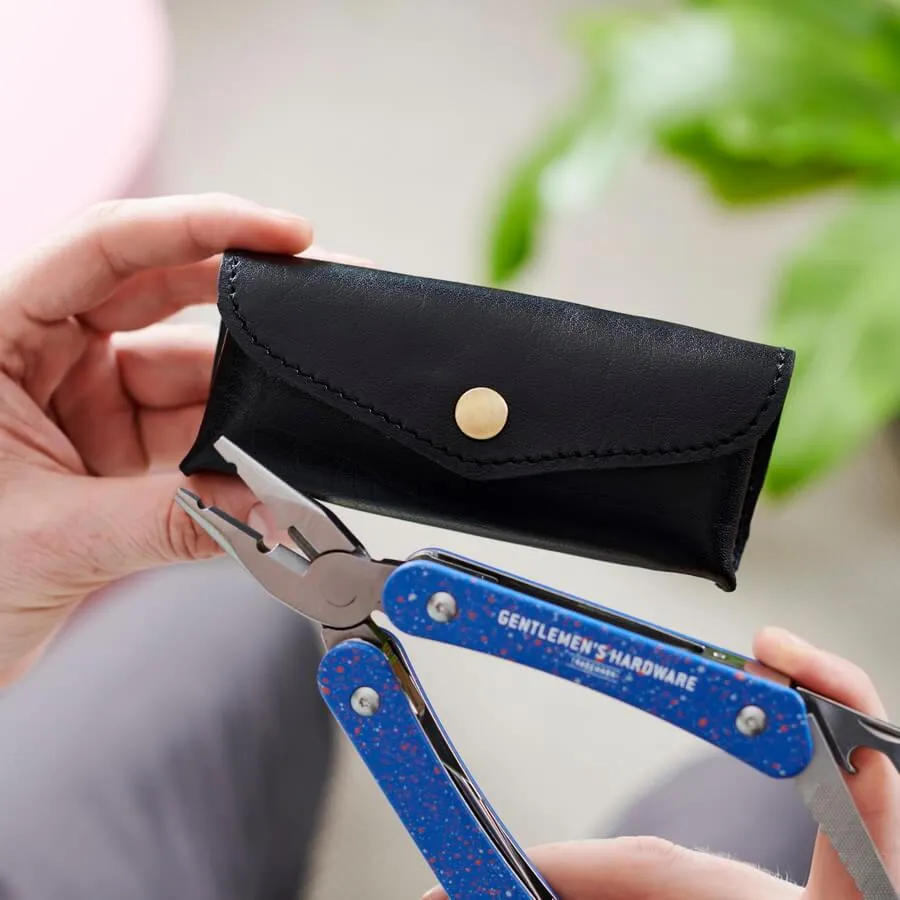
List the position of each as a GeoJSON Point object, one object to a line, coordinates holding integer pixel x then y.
{"type": "Point", "coordinates": [638, 867]}
{"type": "Point", "coordinates": [766, 720]}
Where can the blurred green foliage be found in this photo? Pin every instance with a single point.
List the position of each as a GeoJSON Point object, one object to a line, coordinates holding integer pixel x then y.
{"type": "Point", "coordinates": [764, 100]}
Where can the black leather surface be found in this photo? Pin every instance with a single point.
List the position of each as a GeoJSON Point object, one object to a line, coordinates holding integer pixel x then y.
{"type": "Point", "coordinates": [629, 439]}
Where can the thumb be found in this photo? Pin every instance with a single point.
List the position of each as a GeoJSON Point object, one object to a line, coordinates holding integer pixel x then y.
{"type": "Point", "coordinates": [876, 786]}
{"type": "Point", "coordinates": [135, 524]}
{"type": "Point", "coordinates": [67, 536]}
{"type": "Point", "coordinates": [632, 868]}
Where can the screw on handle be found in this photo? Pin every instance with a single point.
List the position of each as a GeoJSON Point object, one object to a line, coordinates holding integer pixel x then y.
{"type": "Point", "coordinates": [467, 847]}
{"type": "Point", "coordinates": [761, 722]}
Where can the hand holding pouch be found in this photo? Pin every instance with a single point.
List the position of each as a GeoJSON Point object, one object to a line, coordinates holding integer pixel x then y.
{"type": "Point", "coordinates": [624, 438]}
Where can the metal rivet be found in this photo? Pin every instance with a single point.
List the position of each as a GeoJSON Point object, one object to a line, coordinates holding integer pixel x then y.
{"type": "Point", "coordinates": [481, 413]}
{"type": "Point", "coordinates": [365, 701]}
{"type": "Point", "coordinates": [751, 721]}
{"type": "Point", "coordinates": [442, 606]}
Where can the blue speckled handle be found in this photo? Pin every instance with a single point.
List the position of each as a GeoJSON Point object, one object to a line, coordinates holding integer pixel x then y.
{"type": "Point", "coordinates": [697, 694]}
{"type": "Point", "coordinates": [394, 746]}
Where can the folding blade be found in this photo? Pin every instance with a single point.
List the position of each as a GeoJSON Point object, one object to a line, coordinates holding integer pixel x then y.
{"type": "Point", "coordinates": [828, 798]}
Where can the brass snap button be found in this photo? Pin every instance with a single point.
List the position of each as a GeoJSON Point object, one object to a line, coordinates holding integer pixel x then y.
{"type": "Point", "coordinates": [481, 413]}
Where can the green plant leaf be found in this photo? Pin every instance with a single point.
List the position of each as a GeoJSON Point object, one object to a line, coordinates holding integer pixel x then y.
{"type": "Point", "coordinates": [838, 307]}
{"type": "Point", "coordinates": [813, 83]}
{"type": "Point", "coordinates": [745, 182]}
{"type": "Point", "coordinates": [514, 231]}
{"type": "Point", "coordinates": [571, 167]}
{"type": "Point", "coordinates": [764, 99]}
{"type": "Point", "coordinates": [809, 97]}
{"type": "Point", "coordinates": [642, 71]}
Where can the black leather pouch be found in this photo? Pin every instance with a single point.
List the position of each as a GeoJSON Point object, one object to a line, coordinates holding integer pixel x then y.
{"type": "Point", "coordinates": [626, 439]}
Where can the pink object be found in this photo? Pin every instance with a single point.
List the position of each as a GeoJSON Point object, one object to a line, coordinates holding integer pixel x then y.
{"type": "Point", "coordinates": [84, 92]}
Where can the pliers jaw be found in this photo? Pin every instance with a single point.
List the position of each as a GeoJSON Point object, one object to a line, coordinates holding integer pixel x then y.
{"type": "Point", "coordinates": [326, 575]}
{"type": "Point", "coordinates": [317, 529]}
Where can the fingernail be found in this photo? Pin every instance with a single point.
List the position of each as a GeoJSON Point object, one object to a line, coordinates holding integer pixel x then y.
{"type": "Point", "coordinates": [435, 893]}
{"type": "Point", "coordinates": [790, 638]}
{"type": "Point", "coordinates": [258, 519]}
{"type": "Point", "coordinates": [785, 648]}
{"type": "Point", "coordinates": [321, 253]}
{"type": "Point", "coordinates": [290, 216]}
{"type": "Point", "coordinates": [360, 262]}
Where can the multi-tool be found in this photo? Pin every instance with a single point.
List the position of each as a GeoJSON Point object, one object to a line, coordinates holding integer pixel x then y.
{"type": "Point", "coordinates": [322, 571]}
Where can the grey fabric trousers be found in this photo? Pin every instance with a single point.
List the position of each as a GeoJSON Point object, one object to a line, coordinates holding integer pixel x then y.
{"type": "Point", "coordinates": [724, 807]}
{"type": "Point", "coordinates": [173, 745]}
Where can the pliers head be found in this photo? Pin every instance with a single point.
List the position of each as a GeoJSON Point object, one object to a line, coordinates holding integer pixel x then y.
{"type": "Point", "coordinates": [323, 571]}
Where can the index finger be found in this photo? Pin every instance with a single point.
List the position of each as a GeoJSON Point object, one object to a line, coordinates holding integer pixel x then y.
{"type": "Point", "coordinates": [635, 868]}
{"type": "Point", "coordinates": [875, 787]}
{"type": "Point", "coordinates": [74, 272]}
{"type": "Point", "coordinates": [818, 670]}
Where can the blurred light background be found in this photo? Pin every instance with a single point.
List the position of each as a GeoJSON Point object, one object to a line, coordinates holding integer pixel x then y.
{"type": "Point", "coordinates": [392, 124]}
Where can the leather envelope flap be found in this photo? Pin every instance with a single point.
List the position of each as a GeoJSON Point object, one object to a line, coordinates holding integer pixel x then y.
{"type": "Point", "coordinates": [585, 388]}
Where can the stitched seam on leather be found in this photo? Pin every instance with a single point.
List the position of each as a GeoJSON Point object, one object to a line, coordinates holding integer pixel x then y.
{"type": "Point", "coordinates": [556, 456]}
